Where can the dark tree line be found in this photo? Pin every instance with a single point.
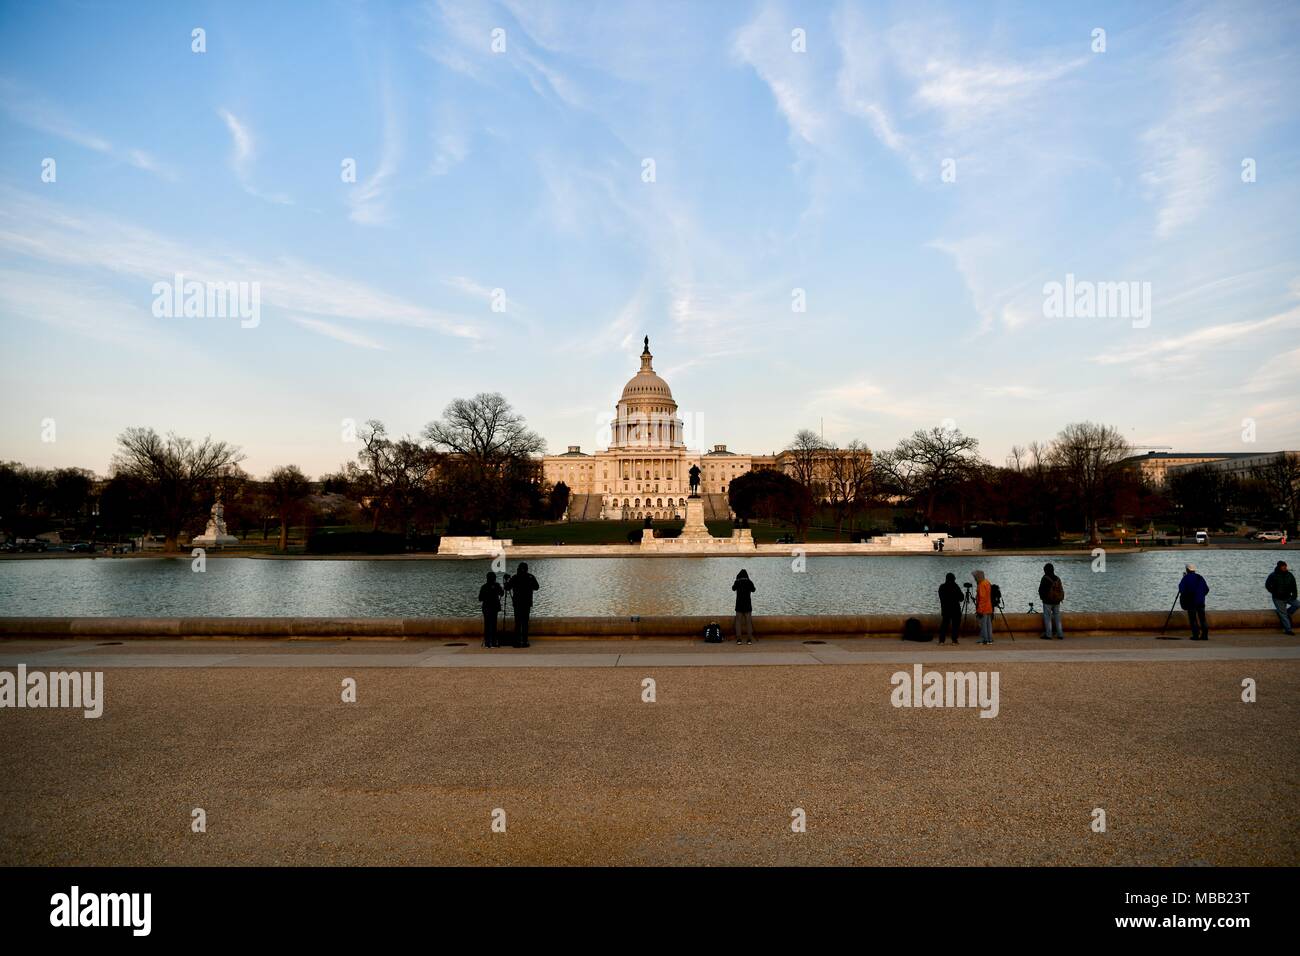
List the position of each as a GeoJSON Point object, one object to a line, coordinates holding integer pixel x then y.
{"type": "Point", "coordinates": [33, 499]}
{"type": "Point", "coordinates": [1080, 480]}
{"type": "Point", "coordinates": [771, 495]}
{"type": "Point", "coordinates": [469, 471]}
{"type": "Point", "coordinates": [478, 466]}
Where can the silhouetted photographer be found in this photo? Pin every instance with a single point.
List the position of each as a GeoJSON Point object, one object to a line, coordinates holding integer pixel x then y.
{"type": "Point", "coordinates": [489, 595]}
{"type": "Point", "coordinates": [521, 587]}
{"type": "Point", "coordinates": [950, 601]}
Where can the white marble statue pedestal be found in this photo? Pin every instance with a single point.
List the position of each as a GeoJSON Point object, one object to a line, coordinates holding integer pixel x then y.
{"type": "Point", "coordinates": [695, 528]}
{"type": "Point", "coordinates": [696, 538]}
{"type": "Point", "coordinates": [214, 541]}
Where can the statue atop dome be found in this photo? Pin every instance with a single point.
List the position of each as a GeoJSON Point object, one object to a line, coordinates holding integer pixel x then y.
{"type": "Point", "coordinates": [647, 360]}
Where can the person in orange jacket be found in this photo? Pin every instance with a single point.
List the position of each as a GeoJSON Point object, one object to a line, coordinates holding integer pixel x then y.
{"type": "Point", "coordinates": [983, 607]}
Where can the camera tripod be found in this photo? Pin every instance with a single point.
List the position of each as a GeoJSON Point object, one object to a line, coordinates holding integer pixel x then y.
{"type": "Point", "coordinates": [1005, 623]}
{"type": "Point", "coordinates": [1163, 636]}
{"type": "Point", "coordinates": [967, 605]}
{"type": "Point", "coordinates": [505, 598]}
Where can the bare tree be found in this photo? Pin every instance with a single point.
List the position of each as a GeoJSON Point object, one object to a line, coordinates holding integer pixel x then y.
{"type": "Point", "coordinates": [396, 480]}
{"type": "Point", "coordinates": [491, 450]}
{"type": "Point", "coordinates": [180, 476]}
{"type": "Point", "coordinates": [1042, 501]}
{"type": "Point", "coordinates": [848, 479]}
{"type": "Point", "coordinates": [410, 482]}
{"type": "Point", "coordinates": [839, 487]}
{"type": "Point", "coordinates": [1278, 484]}
{"type": "Point", "coordinates": [1087, 459]}
{"type": "Point", "coordinates": [861, 474]}
{"type": "Point", "coordinates": [929, 463]}
{"type": "Point", "coordinates": [368, 475]}
{"type": "Point", "coordinates": [286, 488]}
{"type": "Point", "coordinates": [804, 451]}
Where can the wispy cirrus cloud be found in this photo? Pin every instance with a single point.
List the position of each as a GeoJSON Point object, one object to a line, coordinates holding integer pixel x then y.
{"type": "Point", "coordinates": [862, 84]}
{"type": "Point", "coordinates": [243, 152]}
{"type": "Point", "coordinates": [477, 290]}
{"type": "Point", "coordinates": [867, 408]}
{"type": "Point", "coordinates": [337, 332]}
{"type": "Point", "coordinates": [1279, 372]}
{"type": "Point", "coordinates": [449, 151]}
{"type": "Point", "coordinates": [463, 43]}
{"type": "Point", "coordinates": [369, 200]}
{"type": "Point", "coordinates": [966, 95]}
{"type": "Point", "coordinates": [47, 232]}
{"type": "Point", "coordinates": [36, 113]}
{"type": "Point", "coordinates": [616, 335]}
{"type": "Point", "coordinates": [1224, 80]}
{"type": "Point", "coordinates": [82, 307]}
{"type": "Point", "coordinates": [1181, 349]}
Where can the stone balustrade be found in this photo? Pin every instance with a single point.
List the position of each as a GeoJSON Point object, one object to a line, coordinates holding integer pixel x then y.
{"type": "Point", "coordinates": [1077, 625]}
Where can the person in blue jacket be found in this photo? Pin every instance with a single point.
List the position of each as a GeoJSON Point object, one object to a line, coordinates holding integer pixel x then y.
{"type": "Point", "coordinates": [1192, 590]}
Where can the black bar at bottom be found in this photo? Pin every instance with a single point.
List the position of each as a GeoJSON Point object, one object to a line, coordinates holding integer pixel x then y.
{"type": "Point", "coordinates": [334, 905]}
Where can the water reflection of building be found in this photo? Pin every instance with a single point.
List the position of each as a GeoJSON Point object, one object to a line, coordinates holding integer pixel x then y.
{"type": "Point", "coordinates": [645, 471]}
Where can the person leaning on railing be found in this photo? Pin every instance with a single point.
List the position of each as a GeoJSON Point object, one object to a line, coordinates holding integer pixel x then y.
{"type": "Point", "coordinates": [1281, 588]}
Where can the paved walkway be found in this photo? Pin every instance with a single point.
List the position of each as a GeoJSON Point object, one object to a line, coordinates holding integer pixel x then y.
{"type": "Point", "coordinates": [576, 654]}
{"type": "Point", "coordinates": [589, 772]}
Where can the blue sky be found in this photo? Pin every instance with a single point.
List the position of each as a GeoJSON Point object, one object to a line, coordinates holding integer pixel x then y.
{"type": "Point", "coordinates": [523, 170]}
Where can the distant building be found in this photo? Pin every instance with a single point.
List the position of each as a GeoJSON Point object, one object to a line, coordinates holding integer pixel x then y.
{"type": "Point", "coordinates": [1239, 466]}
{"type": "Point", "coordinates": [830, 472]}
{"type": "Point", "coordinates": [645, 471]}
{"type": "Point", "coordinates": [1154, 466]}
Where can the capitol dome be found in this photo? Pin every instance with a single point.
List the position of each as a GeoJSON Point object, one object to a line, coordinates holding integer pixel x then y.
{"type": "Point", "coordinates": [646, 384]}
{"type": "Point", "coordinates": [646, 414]}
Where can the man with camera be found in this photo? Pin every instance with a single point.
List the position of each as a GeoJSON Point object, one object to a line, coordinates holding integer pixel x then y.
{"type": "Point", "coordinates": [521, 587]}
{"type": "Point", "coordinates": [949, 608]}
{"type": "Point", "coordinates": [1192, 591]}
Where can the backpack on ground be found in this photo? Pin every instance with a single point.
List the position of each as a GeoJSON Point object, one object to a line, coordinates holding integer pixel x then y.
{"type": "Point", "coordinates": [712, 633]}
{"type": "Point", "coordinates": [912, 631]}
{"type": "Point", "coordinates": [1055, 592]}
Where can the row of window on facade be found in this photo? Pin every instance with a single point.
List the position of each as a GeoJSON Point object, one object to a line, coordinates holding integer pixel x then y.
{"type": "Point", "coordinates": [636, 503]}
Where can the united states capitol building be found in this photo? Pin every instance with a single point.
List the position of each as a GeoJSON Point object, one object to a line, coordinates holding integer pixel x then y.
{"type": "Point", "coordinates": [645, 471]}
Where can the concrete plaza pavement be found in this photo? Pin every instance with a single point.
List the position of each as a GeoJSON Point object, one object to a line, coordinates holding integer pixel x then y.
{"type": "Point", "coordinates": [559, 736]}
{"type": "Point", "coordinates": [328, 652]}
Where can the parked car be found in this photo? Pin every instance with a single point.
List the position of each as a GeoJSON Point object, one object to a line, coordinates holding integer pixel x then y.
{"type": "Point", "coordinates": [82, 547]}
{"type": "Point", "coordinates": [1202, 537]}
{"type": "Point", "coordinates": [1269, 536]}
